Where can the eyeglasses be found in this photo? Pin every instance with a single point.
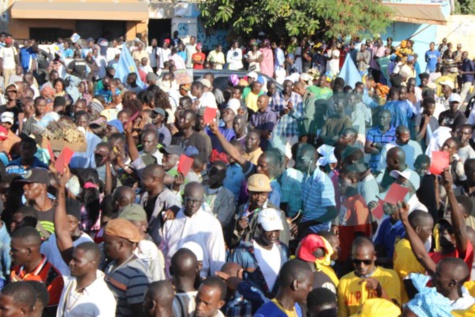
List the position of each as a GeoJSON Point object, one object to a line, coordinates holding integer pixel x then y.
{"type": "Point", "coordinates": [365, 262]}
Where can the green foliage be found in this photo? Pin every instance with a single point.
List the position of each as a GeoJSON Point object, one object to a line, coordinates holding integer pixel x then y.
{"type": "Point", "coordinates": [465, 7]}
{"type": "Point", "coordinates": [297, 17]}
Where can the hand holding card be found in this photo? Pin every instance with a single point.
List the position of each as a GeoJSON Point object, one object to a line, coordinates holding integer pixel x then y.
{"type": "Point", "coordinates": [63, 159]}
{"type": "Point", "coordinates": [440, 161]}
{"type": "Point", "coordinates": [184, 164]}
{"type": "Point", "coordinates": [209, 115]}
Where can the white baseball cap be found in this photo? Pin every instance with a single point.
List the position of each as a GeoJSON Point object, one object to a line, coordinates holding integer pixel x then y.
{"type": "Point", "coordinates": [455, 98]}
{"type": "Point", "coordinates": [195, 248]}
{"type": "Point", "coordinates": [8, 117]}
{"type": "Point", "coordinates": [448, 83]}
{"type": "Point", "coordinates": [205, 82]}
{"type": "Point", "coordinates": [409, 175]}
{"type": "Point", "coordinates": [252, 75]}
{"type": "Point", "coordinates": [234, 104]}
{"type": "Point", "coordinates": [270, 219]}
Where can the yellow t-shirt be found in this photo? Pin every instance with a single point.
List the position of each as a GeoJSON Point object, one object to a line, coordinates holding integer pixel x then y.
{"type": "Point", "coordinates": [328, 271]}
{"type": "Point", "coordinates": [253, 156]}
{"type": "Point", "coordinates": [470, 312]}
{"type": "Point", "coordinates": [405, 263]}
{"type": "Point", "coordinates": [352, 295]}
{"type": "Point", "coordinates": [251, 101]}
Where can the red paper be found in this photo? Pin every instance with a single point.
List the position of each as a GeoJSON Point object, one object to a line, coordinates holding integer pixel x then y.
{"type": "Point", "coordinates": [185, 164]}
{"type": "Point", "coordinates": [50, 151]}
{"type": "Point", "coordinates": [378, 212]}
{"type": "Point", "coordinates": [63, 159]}
{"type": "Point", "coordinates": [209, 115]}
{"type": "Point", "coordinates": [395, 194]}
{"type": "Point", "coordinates": [440, 161]}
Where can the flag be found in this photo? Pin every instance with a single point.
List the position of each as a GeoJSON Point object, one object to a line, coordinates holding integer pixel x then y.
{"type": "Point", "coordinates": [126, 65]}
{"type": "Point", "coordinates": [349, 72]}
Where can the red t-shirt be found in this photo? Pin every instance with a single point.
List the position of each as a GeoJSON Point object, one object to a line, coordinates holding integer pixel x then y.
{"type": "Point", "coordinates": [198, 57]}
{"type": "Point", "coordinates": [46, 273]}
{"type": "Point", "coordinates": [468, 259]}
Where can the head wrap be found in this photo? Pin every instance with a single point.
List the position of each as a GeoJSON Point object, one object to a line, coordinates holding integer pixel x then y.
{"type": "Point", "coordinates": [234, 80]}
{"type": "Point", "coordinates": [428, 302]}
{"type": "Point", "coordinates": [96, 105]}
{"type": "Point", "coordinates": [327, 153]}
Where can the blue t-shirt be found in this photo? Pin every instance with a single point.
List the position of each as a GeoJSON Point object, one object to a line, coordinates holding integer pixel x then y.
{"type": "Point", "coordinates": [271, 309]}
{"type": "Point", "coordinates": [432, 58]}
{"type": "Point", "coordinates": [389, 234]}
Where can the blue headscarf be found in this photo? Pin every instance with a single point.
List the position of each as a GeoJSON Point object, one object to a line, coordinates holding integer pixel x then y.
{"type": "Point", "coordinates": [428, 303]}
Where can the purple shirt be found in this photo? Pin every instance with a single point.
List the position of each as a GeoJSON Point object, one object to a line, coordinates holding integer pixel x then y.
{"type": "Point", "coordinates": [264, 120]}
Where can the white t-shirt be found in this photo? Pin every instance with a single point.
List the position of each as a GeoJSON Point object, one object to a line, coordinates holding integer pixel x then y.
{"type": "Point", "coordinates": [112, 52]}
{"type": "Point", "coordinates": [208, 100]}
{"type": "Point", "coordinates": [50, 250]}
{"type": "Point", "coordinates": [190, 50]}
{"type": "Point", "coordinates": [269, 262]}
{"type": "Point", "coordinates": [8, 56]}
{"type": "Point", "coordinates": [164, 54]}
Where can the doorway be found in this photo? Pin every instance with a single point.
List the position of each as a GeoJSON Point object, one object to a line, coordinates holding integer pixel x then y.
{"type": "Point", "coordinates": [159, 29]}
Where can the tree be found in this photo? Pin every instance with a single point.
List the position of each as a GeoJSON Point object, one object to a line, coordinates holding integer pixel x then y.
{"type": "Point", "coordinates": [297, 17]}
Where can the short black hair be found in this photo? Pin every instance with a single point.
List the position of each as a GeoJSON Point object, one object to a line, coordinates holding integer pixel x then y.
{"type": "Point", "coordinates": [27, 233]}
{"type": "Point", "coordinates": [466, 203]}
{"type": "Point", "coordinates": [293, 270]}
{"type": "Point", "coordinates": [41, 292]}
{"type": "Point", "coordinates": [23, 294]}
{"type": "Point", "coordinates": [91, 247]}
{"type": "Point", "coordinates": [320, 296]}
{"type": "Point", "coordinates": [216, 282]}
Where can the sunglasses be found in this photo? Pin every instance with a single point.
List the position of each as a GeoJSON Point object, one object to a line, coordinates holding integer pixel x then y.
{"type": "Point", "coordinates": [365, 262]}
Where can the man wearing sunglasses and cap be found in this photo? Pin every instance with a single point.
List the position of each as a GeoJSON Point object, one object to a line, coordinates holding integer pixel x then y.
{"type": "Point", "coordinates": [366, 281]}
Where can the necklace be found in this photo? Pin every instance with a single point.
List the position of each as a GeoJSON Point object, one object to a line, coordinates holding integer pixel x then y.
{"type": "Point", "coordinates": [75, 293]}
{"type": "Point", "coordinates": [112, 269]}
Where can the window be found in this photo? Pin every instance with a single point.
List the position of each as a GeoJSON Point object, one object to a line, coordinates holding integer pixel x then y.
{"type": "Point", "coordinates": [49, 35]}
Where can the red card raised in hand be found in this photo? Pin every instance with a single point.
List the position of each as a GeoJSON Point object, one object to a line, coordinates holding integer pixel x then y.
{"type": "Point", "coordinates": [50, 151]}
{"type": "Point", "coordinates": [395, 194]}
{"type": "Point", "coordinates": [184, 164]}
{"type": "Point", "coordinates": [209, 115]}
{"type": "Point", "coordinates": [440, 161]}
{"type": "Point", "coordinates": [63, 159]}
{"type": "Point", "coordinates": [378, 212]}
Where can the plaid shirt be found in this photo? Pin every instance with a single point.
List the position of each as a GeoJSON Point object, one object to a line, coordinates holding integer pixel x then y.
{"type": "Point", "coordinates": [287, 125]}
{"type": "Point", "coordinates": [375, 135]}
{"type": "Point", "coordinates": [237, 307]}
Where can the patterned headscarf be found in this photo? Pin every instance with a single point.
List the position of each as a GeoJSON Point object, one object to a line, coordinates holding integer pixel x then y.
{"type": "Point", "coordinates": [428, 302]}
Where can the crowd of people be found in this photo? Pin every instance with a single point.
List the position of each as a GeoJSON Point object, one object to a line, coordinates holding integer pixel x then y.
{"type": "Point", "coordinates": [290, 194]}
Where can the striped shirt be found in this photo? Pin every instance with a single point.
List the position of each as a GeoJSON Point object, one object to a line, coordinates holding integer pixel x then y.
{"type": "Point", "coordinates": [317, 195]}
{"type": "Point", "coordinates": [128, 283]}
{"type": "Point", "coordinates": [375, 135]}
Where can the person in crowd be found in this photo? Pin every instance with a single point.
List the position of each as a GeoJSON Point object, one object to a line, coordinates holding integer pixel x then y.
{"type": "Point", "coordinates": [30, 264]}
{"type": "Point", "coordinates": [210, 297]}
{"type": "Point", "coordinates": [18, 299]}
{"type": "Point", "coordinates": [366, 281]}
{"type": "Point", "coordinates": [322, 302]}
{"type": "Point", "coordinates": [192, 223]}
{"type": "Point", "coordinates": [264, 255]}
{"type": "Point", "coordinates": [126, 275]}
{"type": "Point", "coordinates": [295, 282]}
{"type": "Point", "coordinates": [452, 117]}
{"type": "Point", "coordinates": [158, 300]}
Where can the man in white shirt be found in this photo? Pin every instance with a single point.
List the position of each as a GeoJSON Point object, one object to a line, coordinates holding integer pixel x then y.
{"type": "Point", "coordinates": [203, 98]}
{"type": "Point", "coordinates": [9, 57]}
{"type": "Point", "coordinates": [113, 51]}
{"type": "Point", "coordinates": [164, 53]}
{"type": "Point", "coordinates": [192, 223]}
{"type": "Point", "coordinates": [190, 50]}
{"type": "Point", "coordinates": [86, 293]}
{"type": "Point", "coordinates": [234, 57]}
{"type": "Point", "coordinates": [153, 55]}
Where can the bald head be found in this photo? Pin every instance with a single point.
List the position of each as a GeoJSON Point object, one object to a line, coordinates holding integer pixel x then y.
{"type": "Point", "coordinates": [362, 243]}
{"type": "Point", "coordinates": [184, 264]}
{"type": "Point", "coordinates": [232, 269]}
{"type": "Point", "coordinates": [193, 187]}
{"type": "Point", "coordinates": [162, 292]}
{"type": "Point", "coordinates": [454, 267]}
{"type": "Point", "coordinates": [396, 159]}
{"type": "Point", "coordinates": [402, 129]}
{"type": "Point", "coordinates": [419, 218]}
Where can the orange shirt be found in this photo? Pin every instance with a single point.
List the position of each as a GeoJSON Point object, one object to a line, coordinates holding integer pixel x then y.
{"type": "Point", "coordinates": [354, 221]}
{"type": "Point", "coordinates": [46, 273]}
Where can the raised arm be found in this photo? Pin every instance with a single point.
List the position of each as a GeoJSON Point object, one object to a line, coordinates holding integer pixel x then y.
{"type": "Point", "coordinates": [61, 224]}
{"type": "Point", "coordinates": [458, 222]}
{"type": "Point", "coordinates": [133, 151]}
{"type": "Point", "coordinates": [417, 245]}
{"type": "Point", "coordinates": [228, 147]}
